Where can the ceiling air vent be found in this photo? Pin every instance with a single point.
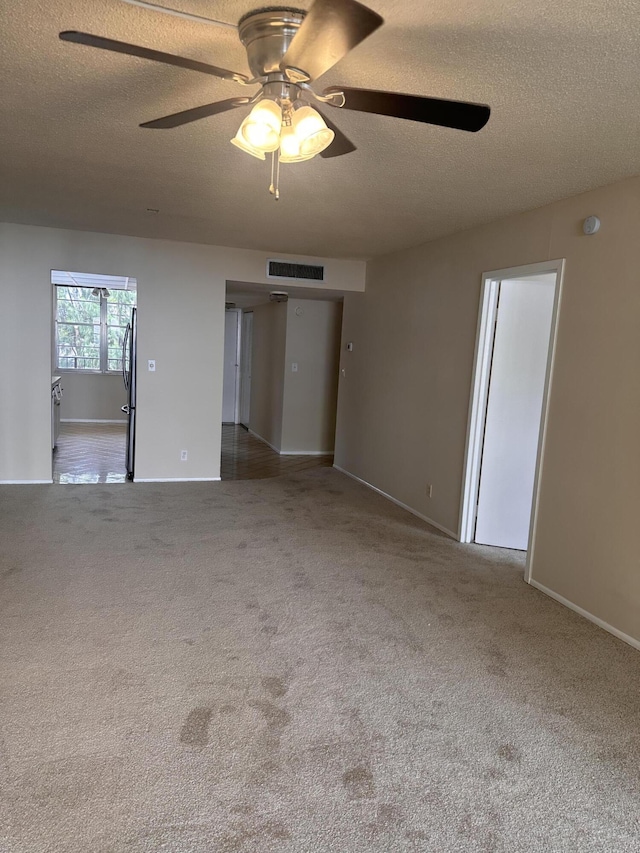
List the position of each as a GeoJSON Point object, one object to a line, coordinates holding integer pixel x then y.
{"type": "Point", "coordinates": [285, 269]}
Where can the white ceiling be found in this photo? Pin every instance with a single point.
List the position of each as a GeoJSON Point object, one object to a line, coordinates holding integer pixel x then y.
{"type": "Point", "coordinates": [562, 78]}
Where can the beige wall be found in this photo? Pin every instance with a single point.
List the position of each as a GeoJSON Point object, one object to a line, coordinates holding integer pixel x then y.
{"type": "Point", "coordinates": [90, 396]}
{"type": "Point", "coordinates": [267, 371]}
{"type": "Point", "coordinates": [181, 295]}
{"type": "Point", "coordinates": [295, 412]}
{"type": "Point", "coordinates": [403, 404]}
{"type": "Point", "coordinates": [310, 394]}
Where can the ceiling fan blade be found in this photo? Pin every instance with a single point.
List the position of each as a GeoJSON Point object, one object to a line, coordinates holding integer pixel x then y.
{"type": "Point", "coordinates": [340, 145]}
{"type": "Point", "coordinates": [187, 116]}
{"type": "Point", "coordinates": [329, 31]}
{"type": "Point", "coordinates": [148, 53]}
{"type": "Point", "coordinates": [460, 115]}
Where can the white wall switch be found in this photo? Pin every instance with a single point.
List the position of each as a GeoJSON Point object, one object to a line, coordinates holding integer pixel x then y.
{"type": "Point", "coordinates": [152, 365]}
{"type": "Point", "coordinates": [350, 347]}
{"type": "Point", "coordinates": [183, 455]}
{"type": "Point", "coordinates": [294, 366]}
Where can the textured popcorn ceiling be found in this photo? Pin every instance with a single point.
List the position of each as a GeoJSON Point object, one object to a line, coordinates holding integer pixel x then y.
{"type": "Point", "coordinates": [562, 78]}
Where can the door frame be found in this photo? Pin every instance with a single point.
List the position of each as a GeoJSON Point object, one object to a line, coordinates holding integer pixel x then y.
{"type": "Point", "coordinates": [246, 334]}
{"type": "Point", "coordinates": [480, 391]}
{"type": "Point", "coordinates": [238, 313]}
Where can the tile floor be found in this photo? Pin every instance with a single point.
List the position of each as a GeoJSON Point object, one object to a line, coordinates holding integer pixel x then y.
{"type": "Point", "coordinates": [245, 457]}
{"type": "Point", "coordinates": [90, 453]}
{"type": "Point", "coordinates": [95, 453]}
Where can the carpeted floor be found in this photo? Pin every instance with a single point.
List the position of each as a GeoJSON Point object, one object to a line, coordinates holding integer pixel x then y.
{"type": "Point", "coordinates": [295, 665]}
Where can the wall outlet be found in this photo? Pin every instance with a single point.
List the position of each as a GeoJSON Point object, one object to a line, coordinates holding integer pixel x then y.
{"type": "Point", "coordinates": [429, 490]}
{"type": "Point", "coordinates": [183, 455]}
{"type": "Point", "coordinates": [152, 365]}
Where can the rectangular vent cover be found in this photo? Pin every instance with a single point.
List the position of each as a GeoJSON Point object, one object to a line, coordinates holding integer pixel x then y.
{"type": "Point", "coordinates": [286, 269]}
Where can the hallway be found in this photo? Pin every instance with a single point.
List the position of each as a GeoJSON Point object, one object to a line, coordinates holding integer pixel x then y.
{"type": "Point", "coordinates": [245, 457]}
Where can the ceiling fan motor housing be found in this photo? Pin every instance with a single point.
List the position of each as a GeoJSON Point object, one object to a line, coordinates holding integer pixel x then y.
{"type": "Point", "coordinates": [266, 35]}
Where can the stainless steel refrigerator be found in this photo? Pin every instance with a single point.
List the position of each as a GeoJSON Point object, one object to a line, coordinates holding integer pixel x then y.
{"type": "Point", "coordinates": [129, 347]}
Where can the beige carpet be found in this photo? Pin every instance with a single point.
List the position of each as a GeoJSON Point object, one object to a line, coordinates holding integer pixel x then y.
{"type": "Point", "coordinates": [295, 665]}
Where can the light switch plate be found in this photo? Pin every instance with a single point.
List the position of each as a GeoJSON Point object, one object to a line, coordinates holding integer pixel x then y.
{"type": "Point", "coordinates": [152, 365]}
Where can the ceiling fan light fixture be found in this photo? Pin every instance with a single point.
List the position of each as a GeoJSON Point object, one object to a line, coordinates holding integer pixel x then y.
{"type": "Point", "coordinates": [243, 145]}
{"type": "Point", "coordinates": [312, 132]}
{"type": "Point", "coordinates": [290, 146]}
{"type": "Point", "coordinates": [261, 128]}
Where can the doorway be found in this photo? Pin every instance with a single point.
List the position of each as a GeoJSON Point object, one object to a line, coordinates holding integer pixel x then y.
{"type": "Point", "coordinates": [514, 357]}
{"type": "Point", "coordinates": [92, 426]}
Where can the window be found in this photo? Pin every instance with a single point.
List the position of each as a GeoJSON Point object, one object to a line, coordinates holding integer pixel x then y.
{"type": "Point", "coordinates": [90, 325]}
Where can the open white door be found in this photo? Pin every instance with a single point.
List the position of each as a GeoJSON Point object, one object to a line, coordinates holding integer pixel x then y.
{"type": "Point", "coordinates": [231, 374]}
{"type": "Point", "coordinates": [245, 368]}
{"type": "Point", "coordinates": [514, 410]}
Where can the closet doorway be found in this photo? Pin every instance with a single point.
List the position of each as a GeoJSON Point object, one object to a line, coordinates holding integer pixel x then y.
{"type": "Point", "coordinates": [514, 359]}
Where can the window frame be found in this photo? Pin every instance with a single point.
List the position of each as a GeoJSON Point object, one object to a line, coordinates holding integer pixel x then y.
{"type": "Point", "coordinates": [103, 346]}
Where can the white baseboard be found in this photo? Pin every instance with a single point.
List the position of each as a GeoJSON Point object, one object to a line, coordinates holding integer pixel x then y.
{"type": "Point", "coordinates": [399, 503]}
{"type": "Point", "coordinates": [264, 440]}
{"type": "Point", "coordinates": [585, 613]}
{"type": "Point", "coordinates": [291, 452]}
{"type": "Point", "coordinates": [89, 421]}
{"type": "Point", "coordinates": [26, 482]}
{"type": "Point", "coordinates": [306, 453]}
{"type": "Point", "coordinates": [177, 480]}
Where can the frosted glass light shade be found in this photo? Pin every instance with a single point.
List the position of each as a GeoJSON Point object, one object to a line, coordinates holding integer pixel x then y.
{"type": "Point", "coordinates": [261, 128]}
{"type": "Point", "coordinates": [240, 143]}
{"type": "Point", "coordinates": [290, 146]}
{"type": "Point", "coordinates": [313, 134]}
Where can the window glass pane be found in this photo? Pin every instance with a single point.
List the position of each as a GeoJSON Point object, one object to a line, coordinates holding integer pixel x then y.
{"type": "Point", "coordinates": [77, 305]}
{"type": "Point", "coordinates": [78, 346]}
{"type": "Point", "coordinates": [115, 339]}
{"type": "Point", "coordinates": [119, 307]}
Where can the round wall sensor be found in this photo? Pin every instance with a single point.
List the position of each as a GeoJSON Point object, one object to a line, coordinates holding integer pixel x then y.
{"type": "Point", "coordinates": [299, 311]}
{"type": "Point", "coordinates": [591, 225]}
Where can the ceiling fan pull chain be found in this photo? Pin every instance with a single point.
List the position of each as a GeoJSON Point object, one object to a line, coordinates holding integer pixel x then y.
{"type": "Point", "coordinates": [274, 189]}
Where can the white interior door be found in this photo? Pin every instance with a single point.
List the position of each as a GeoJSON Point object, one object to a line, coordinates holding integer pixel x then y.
{"type": "Point", "coordinates": [245, 368]}
{"type": "Point", "coordinates": [514, 410]}
{"type": "Point", "coordinates": [230, 378]}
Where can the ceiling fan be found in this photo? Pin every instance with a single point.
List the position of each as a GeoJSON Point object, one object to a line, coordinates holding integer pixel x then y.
{"type": "Point", "coordinates": [288, 49]}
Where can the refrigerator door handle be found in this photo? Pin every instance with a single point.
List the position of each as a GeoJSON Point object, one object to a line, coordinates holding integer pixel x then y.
{"type": "Point", "coordinates": [125, 347]}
